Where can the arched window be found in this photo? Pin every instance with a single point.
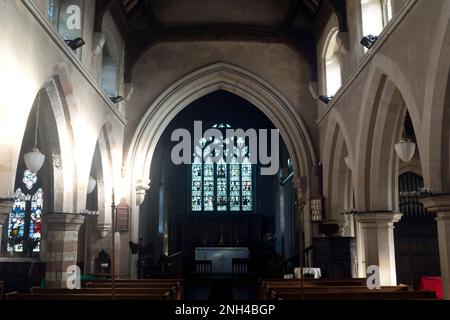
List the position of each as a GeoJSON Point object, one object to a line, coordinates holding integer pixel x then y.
{"type": "Point", "coordinates": [67, 17]}
{"type": "Point", "coordinates": [332, 66]}
{"type": "Point", "coordinates": [387, 11]}
{"type": "Point", "coordinates": [372, 17]}
{"type": "Point", "coordinates": [111, 58]}
{"type": "Point", "coordinates": [24, 225]}
{"type": "Point", "coordinates": [109, 79]}
{"type": "Point", "coordinates": [222, 186]}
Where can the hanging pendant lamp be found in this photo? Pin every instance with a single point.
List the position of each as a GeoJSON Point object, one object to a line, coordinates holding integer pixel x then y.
{"type": "Point", "coordinates": [35, 159]}
{"type": "Point", "coordinates": [405, 149]}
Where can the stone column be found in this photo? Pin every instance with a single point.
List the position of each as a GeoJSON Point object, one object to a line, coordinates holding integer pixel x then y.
{"type": "Point", "coordinates": [62, 243]}
{"type": "Point", "coordinates": [440, 205]}
{"type": "Point", "coordinates": [377, 232]}
{"type": "Point", "coordinates": [5, 210]}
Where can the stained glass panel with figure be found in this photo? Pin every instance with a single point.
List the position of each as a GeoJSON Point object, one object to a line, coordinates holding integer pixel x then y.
{"type": "Point", "coordinates": [25, 219]}
{"type": "Point", "coordinates": [222, 186]}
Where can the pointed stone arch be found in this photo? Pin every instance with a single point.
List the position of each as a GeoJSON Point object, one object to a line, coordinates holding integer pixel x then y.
{"type": "Point", "coordinates": [379, 128]}
{"type": "Point", "coordinates": [56, 142]}
{"type": "Point", "coordinates": [436, 171]}
{"type": "Point", "coordinates": [338, 183]}
{"type": "Point", "coordinates": [217, 76]}
{"type": "Point", "coordinates": [220, 76]}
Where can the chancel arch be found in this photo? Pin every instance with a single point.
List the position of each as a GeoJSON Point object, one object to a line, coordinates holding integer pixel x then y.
{"type": "Point", "coordinates": [218, 76]}
{"type": "Point", "coordinates": [225, 204]}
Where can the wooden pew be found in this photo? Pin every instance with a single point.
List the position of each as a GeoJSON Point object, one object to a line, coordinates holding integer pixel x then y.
{"type": "Point", "coordinates": [267, 291]}
{"type": "Point", "coordinates": [327, 282]}
{"type": "Point", "coordinates": [2, 290]}
{"type": "Point", "coordinates": [267, 284]}
{"type": "Point", "coordinates": [30, 296]}
{"type": "Point", "coordinates": [157, 280]}
{"type": "Point", "coordinates": [331, 289]}
{"type": "Point", "coordinates": [375, 295]}
{"type": "Point", "coordinates": [163, 291]}
{"type": "Point", "coordinates": [141, 283]}
{"type": "Point", "coordinates": [143, 289]}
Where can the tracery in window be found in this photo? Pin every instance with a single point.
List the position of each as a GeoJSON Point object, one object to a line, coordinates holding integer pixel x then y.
{"type": "Point", "coordinates": [218, 185]}
{"type": "Point", "coordinates": [25, 219]}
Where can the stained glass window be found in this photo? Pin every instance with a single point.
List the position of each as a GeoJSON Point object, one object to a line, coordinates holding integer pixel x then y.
{"type": "Point", "coordinates": [218, 185]}
{"type": "Point", "coordinates": [24, 225]}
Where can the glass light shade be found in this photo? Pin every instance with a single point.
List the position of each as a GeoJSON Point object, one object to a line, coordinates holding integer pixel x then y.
{"type": "Point", "coordinates": [405, 150]}
{"type": "Point", "coordinates": [91, 184]}
{"type": "Point", "coordinates": [34, 160]}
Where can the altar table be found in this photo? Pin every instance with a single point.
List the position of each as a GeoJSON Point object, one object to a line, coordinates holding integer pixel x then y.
{"type": "Point", "coordinates": [221, 257]}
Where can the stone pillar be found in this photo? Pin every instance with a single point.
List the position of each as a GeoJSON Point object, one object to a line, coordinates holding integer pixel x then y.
{"type": "Point", "coordinates": [62, 244]}
{"type": "Point", "coordinates": [440, 205]}
{"type": "Point", "coordinates": [5, 210]}
{"type": "Point", "coordinates": [377, 232]}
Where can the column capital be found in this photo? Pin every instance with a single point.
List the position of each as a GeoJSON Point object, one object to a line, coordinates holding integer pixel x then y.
{"type": "Point", "coordinates": [300, 183]}
{"type": "Point", "coordinates": [378, 216]}
{"type": "Point", "coordinates": [64, 221]}
{"type": "Point", "coordinates": [438, 204]}
{"type": "Point", "coordinates": [142, 185]}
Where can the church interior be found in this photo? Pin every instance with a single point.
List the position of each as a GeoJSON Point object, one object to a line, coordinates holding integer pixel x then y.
{"type": "Point", "coordinates": [331, 179]}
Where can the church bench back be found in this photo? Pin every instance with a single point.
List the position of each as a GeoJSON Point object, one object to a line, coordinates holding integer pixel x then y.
{"type": "Point", "coordinates": [130, 285]}
{"type": "Point", "coordinates": [2, 288]}
{"type": "Point", "coordinates": [138, 281]}
{"type": "Point", "coordinates": [335, 290]}
{"type": "Point", "coordinates": [268, 288]}
{"type": "Point", "coordinates": [28, 296]}
{"type": "Point", "coordinates": [267, 284]}
{"type": "Point", "coordinates": [139, 291]}
{"type": "Point", "coordinates": [273, 292]}
{"type": "Point", "coordinates": [318, 282]}
{"type": "Point", "coordinates": [135, 284]}
{"type": "Point", "coordinates": [378, 295]}
{"type": "Point", "coordinates": [332, 289]}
